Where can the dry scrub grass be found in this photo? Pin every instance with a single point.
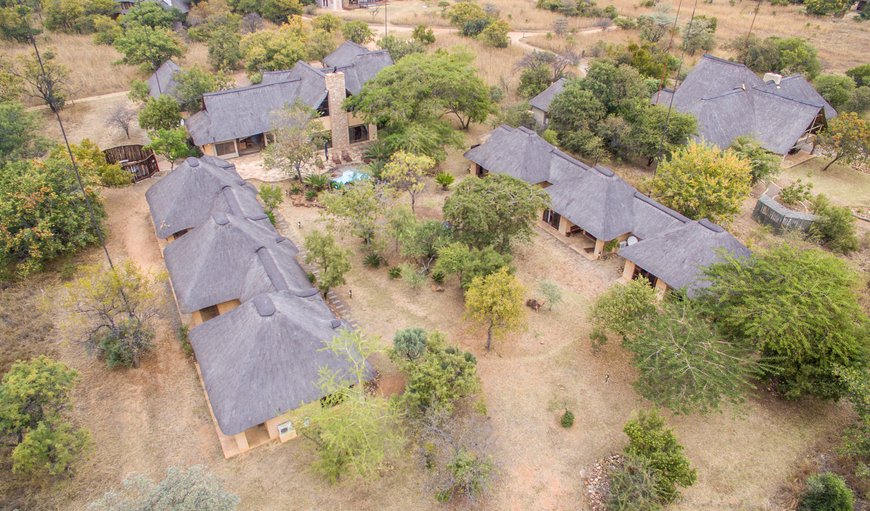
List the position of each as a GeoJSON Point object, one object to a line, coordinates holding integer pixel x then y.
{"type": "Point", "coordinates": [497, 66]}
{"type": "Point", "coordinates": [91, 66]}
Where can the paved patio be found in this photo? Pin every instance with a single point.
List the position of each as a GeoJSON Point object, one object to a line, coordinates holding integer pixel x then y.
{"type": "Point", "coordinates": [250, 166]}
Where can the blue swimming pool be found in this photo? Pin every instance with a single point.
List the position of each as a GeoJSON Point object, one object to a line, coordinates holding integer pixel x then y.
{"type": "Point", "coordinates": [349, 176]}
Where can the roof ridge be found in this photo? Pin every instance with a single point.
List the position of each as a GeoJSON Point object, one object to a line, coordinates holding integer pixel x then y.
{"type": "Point", "coordinates": [787, 98]}
{"type": "Point", "coordinates": [661, 207]}
{"type": "Point", "coordinates": [726, 93]}
{"type": "Point", "coordinates": [250, 87]}
{"type": "Point", "coordinates": [723, 60]}
{"type": "Point", "coordinates": [264, 254]}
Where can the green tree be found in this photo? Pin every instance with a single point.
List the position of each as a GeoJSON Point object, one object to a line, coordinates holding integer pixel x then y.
{"type": "Point", "coordinates": [399, 48]}
{"type": "Point", "coordinates": [115, 309]}
{"type": "Point", "coordinates": [461, 13]}
{"type": "Point", "coordinates": [48, 83]}
{"type": "Point", "coordinates": [856, 440]}
{"type": "Point", "coordinates": [297, 134]}
{"type": "Point", "coordinates": [468, 263]}
{"type": "Point", "coordinates": [43, 214]}
{"type": "Point", "coordinates": [534, 80]}
{"type": "Point", "coordinates": [621, 309]}
{"type": "Point", "coordinates": [147, 47]}
{"type": "Point", "coordinates": [552, 293]}
{"type": "Point", "coordinates": [423, 34]}
{"type": "Point", "coordinates": [655, 26]}
{"type": "Point", "coordinates": [271, 50]}
{"type": "Point", "coordinates": [92, 163]}
{"type": "Point", "coordinates": [331, 260]}
{"type": "Point", "coordinates": [139, 91]}
{"type": "Point", "coordinates": [406, 172]}
{"type": "Point", "coordinates": [192, 83]}
{"type": "Point", "coordinates": [860, 100]}
{"type": "Point", "coordinates": [33, 392]}
{"type": "Point", "coordinates": [698, 34]}
{"type": "Point", "coordinates": [834, 226]}
{"type": "Point", "coordinates": [74, 16]}
{"type": "Point", "coordinates": [703, 182]}
{"type": "Point", "coordinates": [150, 14]}
{"type": "Point", "coordinates": [650, 440]}
{"type": "Point", "coordinates": [15, 23]}
{"type": "Point", "coordinates": [106, 30]}
{"type": "Point", "coordinates": [327, 22]}
{"type": "Point", "coordinates": [824, 7]}
{"type": "Point", "coordinates": [848, 138]}
{"type": "Point", "coordinates": [169, 143]}
{"type": "Point", "coordinates": [494, 211]}
{"type": "Point", "coordinates": [19, 133]}
{"type": "Point", "coordinates": [836, 89]}
{"type": "Point", "coordinates": [763, 163]}
{"type": "Point", "coordinates": [797, 56]}
{"type": "Point", "coordinates": [357, 31]}
{"type": "Point", "coordinates": [272, 196]}
{"type": "Point", "coordinates": [192, 489]}
{"type": "Point", "coordinates": [421, 240]}
{"type": "Point", "coordinates": [224, 49]}
{"type": "Point", "coordinates": [799, 308]}
{"type": "Point", "coordinates": [861, 74]}
{"type": "Point", "coordinates": [277, 11]}
{"type": "Point", "coordinates": [409, 344]}
{"type": "Point", "coordinates": [654, 132]}
{"type": "Point", "coordinates": [496, 34]}
{"type": "Point", "coordinates": [421, 89]}
{"type": "Point", "coordinates": [357, 434]}
{"type": "Point", "coordinates": [49, 449]}
{"type": "Point", "coordinates": [438, 377]}
{"type": "Point", "coordinates": [685, 364]}
{"type": "Point", "coordinates": [496, 301]}
{"type": "Point", "coordinates": [161, 113]}
{"type": "Point", "coordinates": [633, 486]}
{"type": "Point", "coordinates": [359, 206]}
{"type": "Point", "coordinates": [826, 492]}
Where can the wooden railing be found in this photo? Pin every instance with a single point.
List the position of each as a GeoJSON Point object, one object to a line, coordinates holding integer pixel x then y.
{"type": "Point", "coordinates": [134, 159]}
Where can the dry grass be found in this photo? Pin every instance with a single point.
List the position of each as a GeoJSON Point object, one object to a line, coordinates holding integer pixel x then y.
{"type": "Point", "coordinates": [581, 42]}
{"type": "Point", "coordinates": [92, 68]}
{"type": "Point", "coordinates": [496, 65]}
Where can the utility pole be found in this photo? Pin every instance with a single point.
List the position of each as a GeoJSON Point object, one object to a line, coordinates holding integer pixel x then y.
{"type": "Point", "coordinates": [385, 18]}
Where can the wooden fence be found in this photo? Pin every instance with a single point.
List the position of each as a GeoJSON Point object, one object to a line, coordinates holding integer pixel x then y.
{"type": "Point", "coordinates": [132, 158]}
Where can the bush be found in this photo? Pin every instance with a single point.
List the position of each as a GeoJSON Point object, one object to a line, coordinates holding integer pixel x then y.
{"type": "Point", "coordinates": [633, 487]}
{"type": "Point", "coordinates": [496, 34]}
{"type": "Point", "coordinates": [327, 22]}
{"type": "Point", "coordinates": [567, 419]}
{"type": "Point", "coordinates": [50, 449]}
{"type": "Point", "coordinates": [652, 442]}
{"type": "Point", "coordinates": [271, 196]}
{"type": "Point", "coordinates": [834, 226]}
{"type": "Point", "coordinates": [445, 179]}
{"type": "Point", "coordinates": [438, 277]}
{"type": "Point", "coordinates": [373, 260]}
{"type": "Point", "coordinates": [827, 492]}
{"type": "Point", "coordinates": [438, 376]}
{"type": "Point", "coordinates": [160, 113]}
{"type": "Point", "coordinates": [423, 34]}
{"type": "Point", "coordinates": [796, 193]}
{"type": "Point", "coordinates": [394, 272]}
{"type": "Point", "coordinates": [357, 31]}
{"type": "Point", "coordinates": [409, 344]}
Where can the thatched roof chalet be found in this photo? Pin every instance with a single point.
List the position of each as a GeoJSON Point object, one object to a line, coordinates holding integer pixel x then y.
{"type": "Point", "coordinates": [729, 100]}
{"type": "Point", "coordinates": [186, 197]}
{"type": "Point", "coordinates": [225, 259]}
{"type": "Point", "coordinates": [598, 201]}
{"type": "Point", "coordinates": [162, 81]}
{"type": "Point", "coordinates": [263, 358]}
{"type": "Point", "coordinates": [246, 111]}
{"type": "Point", "coordinates": [543, 100]}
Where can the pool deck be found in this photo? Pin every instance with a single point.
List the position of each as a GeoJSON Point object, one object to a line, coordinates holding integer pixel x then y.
{"type": "Point", "coordinates": [251, 166]}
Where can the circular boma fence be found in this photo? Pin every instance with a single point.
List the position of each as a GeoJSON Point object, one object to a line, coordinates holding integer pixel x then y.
{"type": "Point", "coordinates": [769, 212]}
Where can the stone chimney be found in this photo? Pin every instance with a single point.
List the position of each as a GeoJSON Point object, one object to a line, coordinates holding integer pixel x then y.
{"type": "Point", "coordinates": [772, 77]}
{"type": "Point", "coordinates": [337, 116]}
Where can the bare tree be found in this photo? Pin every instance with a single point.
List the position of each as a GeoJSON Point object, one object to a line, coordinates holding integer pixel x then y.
{"type": "Point", "coordinates": [45, 80]}
{"type": "Point", "coordinates": [120, 118]}
{"type": "Point", "coordinates": [556, 62]}
{"type": "Point", "coordinates": [297, 136]}
{"type": "Point", "coordinates": [251, 22]}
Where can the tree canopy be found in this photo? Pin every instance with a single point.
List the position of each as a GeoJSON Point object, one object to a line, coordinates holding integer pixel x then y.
{"type": "Point", "coordinates": [703, 181]}
{"type": "Point", "coordinates": [297, 135]}
{"type": "Point", "coordinates": [192, 489]}
{"type": "Point", "coordinates": [496, 301]}
{"type": "Point", "coordinates": [494, 211]}
{"type": "Point", "coordinates": [148, 47]}
{"type": "Point", "coordinates": [799, 308]}
{"type": "Point", "coordinates": [848, 138]}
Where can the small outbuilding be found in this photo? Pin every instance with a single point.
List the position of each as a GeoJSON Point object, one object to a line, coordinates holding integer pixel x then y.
{"type": "Point", "coordinates": [541, 103]}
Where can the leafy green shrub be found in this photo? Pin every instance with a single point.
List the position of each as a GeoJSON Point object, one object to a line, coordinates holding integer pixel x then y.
{"type": "Point", "coordinates": [357, 31]}
{"type": "Point", "coordinates": [394, 272]}
{"type": "Point", "coordinates": [50, 449]}
{"type": "Point", "coordinates": [184, 339]}
{"type": "Point", "coordinates": [469, 475]}
{"type": "Point", "coordinates": [317, 182]}
{"type": "Point", "coordinates": [795, 193]}
{"type": "Point", "coordinates": [271, 196]}
{"type": "Point", "coordinates": [373, 260]}
{"type": "Point", "coordinates": [827, 492]}
{"type": "Point", "coordinates": [652, 442]}
{"type": "Point", "coordinates": [123, 345]}
{"type": "Point", "coordinates": [310, 194]}
{"type": "Point", "coordinates": [762, 162]}
{"type": "Point", "coordinates": [567, 419]}
{"type": "Point", "coordinates": [437, 377]}
{"type": "Point", "coordinates": [409, 343]}
{"type": "Point", "coordinates": [423, 34]}
{"type": "Point", "coordinates": [438, 277]}
{"type": "Point", "coordinates": [445, 179]}
{"type": "Point", "coordinates": [620, 308]}
{"type": "Point", "coordinates": [633, 487]}
{"type": "Point", "coordinates": [834, 226]}
{"type": "Point", "coordinates": [496, 34]}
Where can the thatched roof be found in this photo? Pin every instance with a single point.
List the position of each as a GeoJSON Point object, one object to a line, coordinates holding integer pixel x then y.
{"type": "Point", "coordinates": [729, 100]}
{"type": "Point", "coordinates": [263, 358]}
{"type": "Point", "coordinates": [543, 100]}
{"type": "Point", "coordinates": [679, 256]}
{"type": "Point", "coordinates": [162, 81]}
{"type": "Point", "coordinates": [595, 199]}
{"type": "Point", "coordinates": [215, 262]}
{"type": "Point", "coordinates": [184, 198]}
{"type": "Point", "coordinates": [246, 111]}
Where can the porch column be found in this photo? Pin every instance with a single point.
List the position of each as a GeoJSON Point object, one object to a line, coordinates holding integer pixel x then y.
{"type": "Point", "coordinates": [661, 287]}
{"type": "Point", "coordinates": [599, 248]}
{"type": "Point", "coordinates": [628, 271]}
{"type": "Point", "coordinates": [241, 441]}
{"type": "Point", "coordinates": [474, 168]}
{"type": "Point", "coordinates": [564, 226]}
{"type": "Point", "coordinates": [373, 132]}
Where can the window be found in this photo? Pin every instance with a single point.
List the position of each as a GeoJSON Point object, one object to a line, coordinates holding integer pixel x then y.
{"type": "Point", "coordinates": [552, 218]}
{"type": "Point", "coordinates": [358, 133]}
{"type": "Point", "coordinates": [323, 109]}
{"type": "Point", "coordinates": [223, 148]}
